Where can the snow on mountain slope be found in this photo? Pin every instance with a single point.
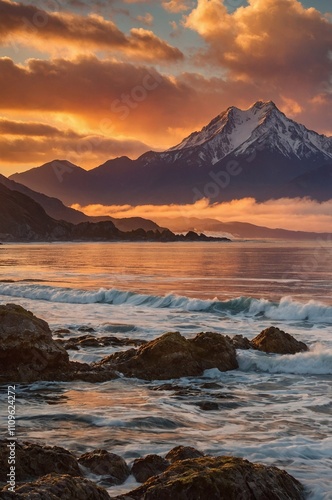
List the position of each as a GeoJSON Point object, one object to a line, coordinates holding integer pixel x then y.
{"type": "Point", "coordinates": [262, 124]}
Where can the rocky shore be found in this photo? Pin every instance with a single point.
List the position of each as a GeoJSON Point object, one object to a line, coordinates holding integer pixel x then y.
{"type": "Point", "coordinates": [45, 472]}
{"type": "Point", "coordinates": [28, 353]}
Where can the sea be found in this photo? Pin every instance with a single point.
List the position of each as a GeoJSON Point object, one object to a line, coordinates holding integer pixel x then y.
{"type": "Point", "coordinates": [275, 410]}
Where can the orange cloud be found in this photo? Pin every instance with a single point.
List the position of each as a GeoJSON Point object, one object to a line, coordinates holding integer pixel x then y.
{"type": "Point", "coordinates": [176, 6]}
{"type": "Point", "coordinates": [124, 98]}
{"type": "Point", "coordinates": [28, 25]}
{"type": "Point", "coordinates": [36, 143]}
{"type": "Point", "coordinates": [293, 214]}
{"type": "Point", "coordinates": [10, 127]}
{"type": "Point", "coordinates": [147, 19]}
{"type": "Point", "coordinates": [268, 40]}
{"type": "Point", "coordinates": [118, 99]}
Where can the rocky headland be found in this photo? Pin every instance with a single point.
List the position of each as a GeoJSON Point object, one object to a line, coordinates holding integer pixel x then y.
{"type": "Point", "coordinates": [23, 219]}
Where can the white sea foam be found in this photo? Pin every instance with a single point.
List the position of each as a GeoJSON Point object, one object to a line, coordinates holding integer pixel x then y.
{"type": "Point", "coordinates": [287, 309]}
{"type": "Point", "coordinates": [317, 361]}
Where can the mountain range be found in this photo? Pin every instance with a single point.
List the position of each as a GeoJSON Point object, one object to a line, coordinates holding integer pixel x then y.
{"type": "Point", "coordinates": [257, 152]}
{"type": "Point", "coordinates": [57, 210]}
{"type": "Point", "coordinates": [26, 215]}
{"type": "Point", "coordinates": [236, 230]}
{"type": "Point", "coordinates": [23, 219]}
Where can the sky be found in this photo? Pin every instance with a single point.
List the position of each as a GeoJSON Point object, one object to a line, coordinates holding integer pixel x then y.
{"type": "Point", "coordinates": [91, 80]}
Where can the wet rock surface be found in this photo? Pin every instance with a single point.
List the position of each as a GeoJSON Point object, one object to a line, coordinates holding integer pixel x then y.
{"type": "Point", "coordinates": [112, 467]}
{"type": "Point", "coordinates": [27, 350]}
{"type": "Point", "coordinates": [183, 453]}
{"type": "Point", "coordinates": [241, 342]}
{"type": "Point", "coordinates": [277, 341]}
{"type": "Point", "coordinates": [55, 487]}
{"type": "Point", "coordinates": [45, 472]}
{"type": "Point", "coordinates": [34, 461]}
{"type": "Point", "coordinates": [219, 478]}
{"type": "Point", "coordinates": [173, 356]}
{"type": "Point", "coordinates": [151, 465]}
{"type": "Point", "coordinates": [93, 341]}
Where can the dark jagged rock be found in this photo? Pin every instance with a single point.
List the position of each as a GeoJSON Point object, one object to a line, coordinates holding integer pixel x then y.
{"type": "Point", "coordinates": [173, 356]}
{"type": "Point", "coordinates": [109, 465]}
{"type": "Point", "coordinates": [241, 342]}
{"type": "Point", "coordinates": [183, 453]}
{"type": "Point", "coordinates": [87, 329]}
{"type": "Point", "coordinates": [54, 487]}
{"type": "Point", "coordinates": [27, 350]}
{"type": "Point", "coordinates": [34, 461]}
{"type": "Point", "coordinates": [60, 331]}
{"type": "Point", "coordinates": [277, 341]}
{"type": "Point", "coordinates": [219, 478]}
{"type": "Point", "coordinates": [92, 341]}
{"type": "Point", "coordinates": [83, 371]}
{"type": "Point", "coordinates": [151, 465]}
{"type": "Point", "coordinates": [28, 353]}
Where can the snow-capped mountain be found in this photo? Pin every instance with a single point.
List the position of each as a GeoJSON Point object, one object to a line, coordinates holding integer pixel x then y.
{"type": "Point", "coordinates": [264, 125]}
{"type": "Point", "coordinates": [273, 156]}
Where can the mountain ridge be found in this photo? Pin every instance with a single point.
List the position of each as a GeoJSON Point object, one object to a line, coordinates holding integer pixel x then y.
{"type": "Point", "coordinates": [269, 150]}
{"type": "Point", "coordinates": [23, 219]}
{"type": "Point", "coordinates": [58, 211]}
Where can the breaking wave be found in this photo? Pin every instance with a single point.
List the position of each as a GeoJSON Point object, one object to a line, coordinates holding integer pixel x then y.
{"type": "Point", "coordinates": [285, 309]}
{"type": "Point", "coordinates": [317, 361]}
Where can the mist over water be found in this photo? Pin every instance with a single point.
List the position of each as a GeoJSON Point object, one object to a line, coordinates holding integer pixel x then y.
{"type": "Point", "coordinates": [273, 409]}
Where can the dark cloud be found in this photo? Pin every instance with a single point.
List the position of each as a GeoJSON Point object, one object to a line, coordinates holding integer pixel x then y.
{"type": "Point", "coordinates": [132, 98]}
{"type": "Point", "coordinates": [10, 127]}
{"type": "Point", "coordinates": [27, 24]}
{"type": "Point", "coordinates": [89, 151]}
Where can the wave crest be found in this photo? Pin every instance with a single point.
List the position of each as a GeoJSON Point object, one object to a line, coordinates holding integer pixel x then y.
{"type": "Point", "coordinates": [285, 309]}
{"type": "Point", "coordinates": [317, 361]}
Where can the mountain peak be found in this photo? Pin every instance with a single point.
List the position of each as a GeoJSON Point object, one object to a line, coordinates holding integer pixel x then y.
{"type": "Point", "coordinates": [264, 105]}
{"type": "Point", "coordinates": [229, 129]}
{"type": "Point", "coordinates": [237, 131]}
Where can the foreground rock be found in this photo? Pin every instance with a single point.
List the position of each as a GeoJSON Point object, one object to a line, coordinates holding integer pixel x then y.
{"type": "Point", "coordinates": [54, 487]}
{"type": "Point", "coordinates": [219, 478]}
{"type": "Point", "coordinates": [151, 465]}
{"type": "Point", "coordinates": [92, 341]}
{"type": "Point", "coordinates": [174, 356]}
{"type": "Point", "coordinates": [276, 341]}
{"type": "Point", "coordinates": [44, 472]}
{"type": "Point", "coordinates": [34, 461]}
{"type": "Point", "coordinates": [183, 453]}
{"type": "Point", "coordinates": [109, 465]}
{"type": "Point", "coordinates": [241, 342]}
{"type": "Point", "coordinates": [27, 350]}
{"type": "Point", "coordinates": [28, 353]}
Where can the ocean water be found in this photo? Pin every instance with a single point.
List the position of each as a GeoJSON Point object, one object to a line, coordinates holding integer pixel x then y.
{"type": "Point", "coordinates": [274, 409]}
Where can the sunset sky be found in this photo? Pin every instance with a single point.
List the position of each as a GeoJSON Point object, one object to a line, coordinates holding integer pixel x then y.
{"type": "Point", "coordinates": [88, 81]}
